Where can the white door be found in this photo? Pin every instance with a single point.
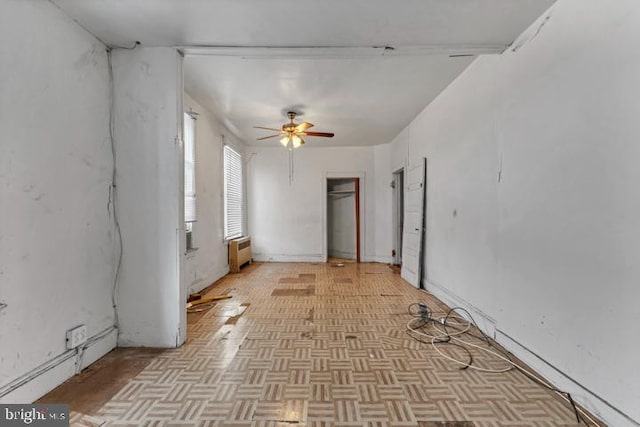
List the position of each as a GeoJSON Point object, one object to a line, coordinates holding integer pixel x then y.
{"type": "Point", "coordinates": [413, 230]}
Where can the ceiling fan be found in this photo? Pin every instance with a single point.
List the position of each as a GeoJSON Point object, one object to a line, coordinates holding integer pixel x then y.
{"type": "Point", "coordinates": [293, 132]}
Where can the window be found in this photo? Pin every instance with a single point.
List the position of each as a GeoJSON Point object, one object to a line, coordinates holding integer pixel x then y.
{"type": "Point", "coordinates": [189, 176]}
{"type": "Point", "coordinates": [232, 193]}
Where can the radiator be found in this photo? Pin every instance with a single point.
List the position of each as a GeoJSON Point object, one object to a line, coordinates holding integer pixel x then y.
{"type": "Point", "coordinates": [239, 253]}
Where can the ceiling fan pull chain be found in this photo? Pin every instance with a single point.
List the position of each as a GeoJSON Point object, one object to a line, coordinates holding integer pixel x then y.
{"type": "Point", "coordinates": [290, 166]}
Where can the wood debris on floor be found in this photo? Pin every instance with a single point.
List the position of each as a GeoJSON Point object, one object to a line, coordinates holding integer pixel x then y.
{"type": "Point", "coordinates": [205, 300]}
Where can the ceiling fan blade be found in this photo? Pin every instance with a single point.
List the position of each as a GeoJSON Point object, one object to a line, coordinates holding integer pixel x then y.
{"type": "Point", "coordinates": [260, 127]}
{"type": "Point", "coordinates": [325, 134]}
{"type": "Point", "coordinates": [303, 126]}
{"type": "Point", "coordinates": [267, 137]}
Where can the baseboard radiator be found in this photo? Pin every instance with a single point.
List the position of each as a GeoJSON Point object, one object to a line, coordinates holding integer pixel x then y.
{"type": "Point", "coordinates": [239, 253]}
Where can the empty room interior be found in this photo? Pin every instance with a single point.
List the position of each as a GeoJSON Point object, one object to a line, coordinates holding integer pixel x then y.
{"type": "Point", "coordinates": [320, 213]}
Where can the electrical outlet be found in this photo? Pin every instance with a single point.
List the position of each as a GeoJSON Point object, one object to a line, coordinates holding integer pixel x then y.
{"type": "Point", "coordinates": [76, 336]}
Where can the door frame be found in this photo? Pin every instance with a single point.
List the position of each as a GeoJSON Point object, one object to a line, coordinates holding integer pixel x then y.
{"type": "Point", "coordinates": [397, 214]}
{"type": "Point", "coordinates": [360, 216]}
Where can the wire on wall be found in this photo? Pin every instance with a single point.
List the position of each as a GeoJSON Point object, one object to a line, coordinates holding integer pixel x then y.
{"type": "Point", "coordinates": [113, 195]}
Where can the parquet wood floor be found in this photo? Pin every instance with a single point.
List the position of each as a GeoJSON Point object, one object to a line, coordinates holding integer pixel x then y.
{"type": "Point", "coordinates": [316, 345]}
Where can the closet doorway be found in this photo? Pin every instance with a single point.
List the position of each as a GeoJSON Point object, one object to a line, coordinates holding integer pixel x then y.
{"type": "Point", "coordinates": [343, 218]}
{"type": "Point", "coordinates": [397, 184]}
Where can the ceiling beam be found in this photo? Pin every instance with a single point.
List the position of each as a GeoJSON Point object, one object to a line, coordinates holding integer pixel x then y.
{"type": "Point", "coordinates": [341, 52]}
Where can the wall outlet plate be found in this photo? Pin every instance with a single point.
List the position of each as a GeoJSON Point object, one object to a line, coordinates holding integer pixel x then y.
{"type": "Point", "coordinates": [76, 336]}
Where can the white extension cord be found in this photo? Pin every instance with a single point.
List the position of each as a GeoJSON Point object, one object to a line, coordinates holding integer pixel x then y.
{"type": "Point", "coordinates": [439, 339]}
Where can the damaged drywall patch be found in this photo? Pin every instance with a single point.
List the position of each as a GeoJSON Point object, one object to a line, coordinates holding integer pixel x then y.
{"type": "Point", "coordinates": [88, 58]}
{"type": "Point", "coordinates": [31, 191]}
{"type": "Point", "coordinates": [89, 62]}
{"type": "Point", "coordinates": [145, 67]}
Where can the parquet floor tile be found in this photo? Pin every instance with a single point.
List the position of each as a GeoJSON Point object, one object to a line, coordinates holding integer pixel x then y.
{"type": "Point", "coordinates": [313, 345]}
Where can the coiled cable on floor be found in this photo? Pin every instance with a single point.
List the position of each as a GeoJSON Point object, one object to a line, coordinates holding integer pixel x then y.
{"type": "Point", "coordinates": [461, 327]}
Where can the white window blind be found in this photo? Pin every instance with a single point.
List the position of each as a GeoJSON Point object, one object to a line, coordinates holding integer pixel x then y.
{"type": "Point", "coordinates": [189, 168]}
{"type": "Point", "coordinates": [232, 193]}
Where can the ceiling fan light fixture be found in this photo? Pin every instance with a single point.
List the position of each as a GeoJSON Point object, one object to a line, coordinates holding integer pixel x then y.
{"type": "Point", "coordinates": [292, 132]}
{"type": "Point", "coordinates": [297, 141]}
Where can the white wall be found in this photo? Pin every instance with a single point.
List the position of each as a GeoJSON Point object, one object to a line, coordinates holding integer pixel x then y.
{"type": "Point", "coordinates": [287, 222]}
{"type": "Point", "coordinates": [537, 151]}
{"type": "Point", "coordinates": [57, 244]}
{"type": "Point", "coordinates": [383, 203]}
{"type": "Point", "coordinates": [148, 123]}
{"type": "Point", "coordinates": [210, 261]}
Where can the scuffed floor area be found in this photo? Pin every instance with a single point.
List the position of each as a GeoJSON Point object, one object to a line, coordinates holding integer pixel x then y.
{"type": "Point", "coordinates": [310, 345]}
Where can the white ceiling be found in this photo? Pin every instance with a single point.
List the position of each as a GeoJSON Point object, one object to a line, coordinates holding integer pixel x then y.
{"type": "Point", "coordinates": [363, 101]}
{"type": "Point", "coordinates": [362, 96]}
